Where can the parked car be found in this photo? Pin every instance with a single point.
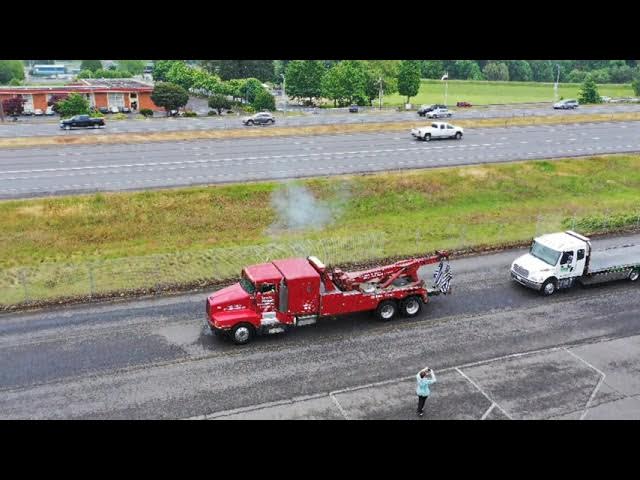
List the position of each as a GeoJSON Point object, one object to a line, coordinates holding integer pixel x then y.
{"type": "Point", "coordinates": [437, 130]}
{"type": "Point", "coordinates": [424, 109]}
{"type": "Point", "coordinates": [81, 121]}
{"type": "Point", "coordinates": [114, 109]}
{"type": "Point", "coordinates": [439, 113]}
{"type": "Point", "coordinates": [49, 111]}
{"type": "Point", "coordinates": [463, 104]}
{"type": "Point", "coordinates": [353, 108]}
{"type": "Point", "coordinates": [262, 118]}
{"type": "Point", "coordinates": [38, 112]}
{"type": "Point", "coordinates": [605, 99]}
{"type": "Point", "coordinates": [27, 111]}
{"type": "Point", "coordinates": [125, 110]}
{"type": "Point", "coordinates": [566, 105]}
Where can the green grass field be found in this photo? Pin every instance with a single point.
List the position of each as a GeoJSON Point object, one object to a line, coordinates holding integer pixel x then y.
{"type": "Point", "coordinates": [484, 93]}
{"type": "Point", "coordinates": [62, 246]}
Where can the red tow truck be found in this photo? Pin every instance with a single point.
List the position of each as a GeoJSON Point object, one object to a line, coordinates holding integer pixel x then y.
{"type": "Point", "coordinates": [273, 297]}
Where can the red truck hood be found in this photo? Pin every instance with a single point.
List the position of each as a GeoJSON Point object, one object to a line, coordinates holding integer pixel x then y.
{"type": "Point", "coordinates": [229, 298]}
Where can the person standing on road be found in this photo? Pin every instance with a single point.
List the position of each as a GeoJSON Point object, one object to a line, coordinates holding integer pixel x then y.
{"type": "Point", "coordinates": [423, 387]}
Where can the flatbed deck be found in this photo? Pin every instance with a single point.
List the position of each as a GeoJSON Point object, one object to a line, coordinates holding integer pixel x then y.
{"type": "Point", "coordinates": [615, 258]}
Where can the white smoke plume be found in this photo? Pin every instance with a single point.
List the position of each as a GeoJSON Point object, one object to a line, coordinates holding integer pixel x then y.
{"type": "Point", "coordinates": [297, 208]}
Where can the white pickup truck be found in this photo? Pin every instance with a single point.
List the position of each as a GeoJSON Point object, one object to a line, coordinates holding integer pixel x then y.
{"type": "Point", "coordinates": [437, 130]}
{"type": "Point", "coordinates": [558, 260]}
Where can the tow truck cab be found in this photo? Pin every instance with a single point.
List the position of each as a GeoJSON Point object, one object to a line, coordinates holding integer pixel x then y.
{"type": "Point", "coordinates": [554, 261]}
{"type": "Point", "coordinates": [269, 296]}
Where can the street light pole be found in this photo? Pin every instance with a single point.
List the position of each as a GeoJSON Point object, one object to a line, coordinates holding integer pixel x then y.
{"type": "Point", "coordinates": [284, 92]}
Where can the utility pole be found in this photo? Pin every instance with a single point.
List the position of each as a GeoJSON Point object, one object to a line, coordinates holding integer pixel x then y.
{"type": "Point", "coordinates": [555, 85]}
{"type": "Point", "coordinates": [380, 93]}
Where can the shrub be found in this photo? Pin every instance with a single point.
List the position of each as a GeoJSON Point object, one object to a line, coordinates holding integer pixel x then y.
{"type": "Point", "coordinates": [190, 114]}
{"type": "Point", "coordinates": [212, 113]}
{"type": "Point", "coordinates": [146, 112]}
{"type": "Point", "coordinates": [119, 116]}
{"type": "Point", "coordinates": [264, 101]}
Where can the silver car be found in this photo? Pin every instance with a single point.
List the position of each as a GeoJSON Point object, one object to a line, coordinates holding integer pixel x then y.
{"type": "Point", "coordinates": [262, 118]}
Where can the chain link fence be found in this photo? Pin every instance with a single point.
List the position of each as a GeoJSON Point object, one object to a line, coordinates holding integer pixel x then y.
{"type": "Point", "coordinates": [52, 281]}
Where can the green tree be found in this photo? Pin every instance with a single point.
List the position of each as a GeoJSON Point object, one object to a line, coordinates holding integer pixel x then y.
{"type": "Point", "coordinates": [74, 104]}
{"type": "Point", "coordinates": [181, 74]}
{"type": "Point", "coordinates": [304, 79]}
{"type": "Point", "coordinates": [160, 69]}
{"type": "Point", "coordinates": [601, 75]}
{"type": "Point", "coordinates": [345, 83]}
{"type": "Point", "coordinates": [433, 69]}
{"type": "Point", "coordinates": [169, 96]}
{"type": "Point", "coordinates": [496, 71]}
{"type": "Point", "coordinates": [519, 71]}
{"type": "Point", "coordinates": [14, 82]}
{"type": "Point", "coordinates": [542, 70]}
{"type": "Point", "coordinates": [577, 76]}
{"type": "Point", "coordinates": [92, 65]}
{"type": "Point", "coordinates": [101, 73]}
{"type": "Point", "coordinates": [10, 69]}
{"type": "Point", "coordinates": [467, 70]}
{"type": "Point", "coordinates": [387, 70]}
{"type": "Point", "coordinates": [135, 67]}
{"type": "Point", "coordinates": [219, 102]}
{"type": "Point", "coordinates": [589, 91]}
{"type": "Point", "coordinates": [635, 84]}
{"type": "Point", "coordinates": [409, 78]}
{"type": "Point", "coordinates": [85, 74]}
{"type": "Point", "coordinates": [249, 88]}
{"type": "Point", "coordinates": [264, 101]}
{"type": "Point", "coordinates": [263, 70]}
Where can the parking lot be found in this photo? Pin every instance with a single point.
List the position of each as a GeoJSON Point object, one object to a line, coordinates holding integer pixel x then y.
{"type": "Point", "coordinates": [592, 381]}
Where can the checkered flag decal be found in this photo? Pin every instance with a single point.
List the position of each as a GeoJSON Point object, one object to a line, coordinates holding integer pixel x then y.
{"type": "Point", "coordinates": [442, 278]}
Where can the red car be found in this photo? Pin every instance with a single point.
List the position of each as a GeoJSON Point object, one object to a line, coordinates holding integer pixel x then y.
{"type": "Point", "coordinates": [463, 104]}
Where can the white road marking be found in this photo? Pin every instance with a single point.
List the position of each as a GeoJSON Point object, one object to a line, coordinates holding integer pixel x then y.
{"type": "Point", "coordinates": [597, 387]}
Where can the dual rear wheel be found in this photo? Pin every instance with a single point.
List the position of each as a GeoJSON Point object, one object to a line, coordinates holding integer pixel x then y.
{"type": "Point", "coordinates": [409, 307]}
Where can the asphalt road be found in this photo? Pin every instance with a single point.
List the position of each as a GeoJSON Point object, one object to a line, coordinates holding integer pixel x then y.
{"type": "Point", "coordinates": [23, 128]}
{"type": "Point", "coordinates": [499, 351]}
{"type": "Point", "coordinates": [74, 169]}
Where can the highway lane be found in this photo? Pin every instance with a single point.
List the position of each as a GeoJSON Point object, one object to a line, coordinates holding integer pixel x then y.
{"type": "Point", "coordinates": [24, 128]}
{"type": "Point", "coordinates": [154, 358]}
{"type": "Point", "coordinates": [73, 169]}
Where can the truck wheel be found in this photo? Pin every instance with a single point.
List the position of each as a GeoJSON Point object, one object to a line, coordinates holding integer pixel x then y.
{"type": "Point", "coordinates": [411, 306]}
{"type": "Point", "coordinates": [458, 136]}
{"type": "Point", "coordinates": [634, 275]}
{"type": "Point", "coordinates": [386, 310]}
{"type": "Point", "coordinates": [242, 333]}
{"type": "Point", "coordinates": [427, 137]}
{"type": "Point", "coordinates": [548, 288]}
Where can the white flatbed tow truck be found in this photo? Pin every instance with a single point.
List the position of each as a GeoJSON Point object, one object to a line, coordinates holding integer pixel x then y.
{"type": "Point", "coordinates": [559, 260]}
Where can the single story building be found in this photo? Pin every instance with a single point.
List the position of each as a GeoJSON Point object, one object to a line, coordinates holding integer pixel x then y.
{"type": "Point", "coordinates": [108, 92]}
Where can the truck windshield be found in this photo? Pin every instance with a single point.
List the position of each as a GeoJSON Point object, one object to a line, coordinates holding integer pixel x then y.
{"type": "Point", "coordinates": [546, 254]}
{"type": "Point", "coordinates": [247, 285]}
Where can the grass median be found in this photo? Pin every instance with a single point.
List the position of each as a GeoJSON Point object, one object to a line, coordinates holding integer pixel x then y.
{"type": "Point", "coordinates": [284, 131]}
{"type": "Point", "coordinates": [91, 244]}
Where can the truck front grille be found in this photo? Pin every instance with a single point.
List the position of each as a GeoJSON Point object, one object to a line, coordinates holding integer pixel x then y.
{"type": "Point", "coordinates": [520, 271]}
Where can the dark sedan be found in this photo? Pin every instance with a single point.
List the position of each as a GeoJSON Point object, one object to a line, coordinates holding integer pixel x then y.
{"type": "Point", "coordinates": [81, 121]}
